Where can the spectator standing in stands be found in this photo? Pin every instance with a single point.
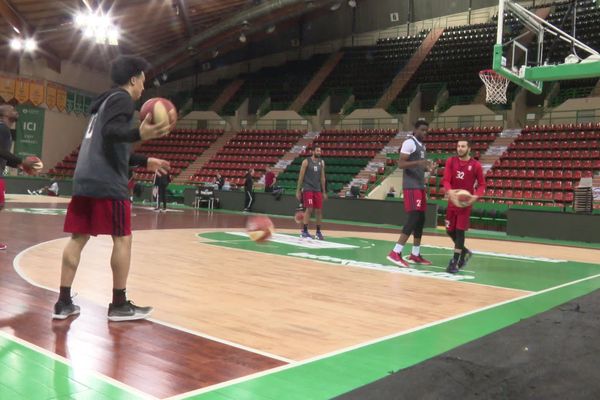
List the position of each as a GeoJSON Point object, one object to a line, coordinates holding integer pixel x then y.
{"type": "Point", "coordinates": [219, 181]}
{"type": "Point", "coordinates": [248, 189]}
{"type": "Point", "coordinates": [161, 182]}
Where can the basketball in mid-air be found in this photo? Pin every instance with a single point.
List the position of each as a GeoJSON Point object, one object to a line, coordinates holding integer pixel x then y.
{"type": "Point", "coordinates": [260, 228]}
{"type": "Point", "coordinates": [462, 198]}
{"type": "Point", "coordinates": [37, 167]}
{"type": "Point", "coordinates": [161, 110]}
{"type": "Point", "coordinates": [299, 216]}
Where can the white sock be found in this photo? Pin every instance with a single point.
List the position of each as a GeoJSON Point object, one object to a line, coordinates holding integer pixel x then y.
{"type": "Point", "coordinates": [398, 248]}
{"type": "Point", "coordinates": [416, 250]}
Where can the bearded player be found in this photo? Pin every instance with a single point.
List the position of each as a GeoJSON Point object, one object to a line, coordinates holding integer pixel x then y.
{"type": "Point", "coordinates": [461, 172]}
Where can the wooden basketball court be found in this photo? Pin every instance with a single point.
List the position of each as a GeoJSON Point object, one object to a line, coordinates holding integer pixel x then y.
{"type": "Point", "coordinates": [231, 313]}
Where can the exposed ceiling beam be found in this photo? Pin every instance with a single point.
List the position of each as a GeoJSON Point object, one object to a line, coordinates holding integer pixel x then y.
{"type": "Point", "coordinates": [20, 24]}
{"type": "Point", "coordinates": [229, 29]}
{"type": "Point", "coordinates": [184, 16]}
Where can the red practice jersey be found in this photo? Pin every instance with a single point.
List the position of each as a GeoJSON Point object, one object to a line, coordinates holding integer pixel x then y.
{"type": "Point", "coordinates": [467, 175]}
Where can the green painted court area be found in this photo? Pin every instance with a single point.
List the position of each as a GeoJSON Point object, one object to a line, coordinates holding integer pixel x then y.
{"type": "Point", "coordinates": [553, 281]}
{"type": "Point", "coordinates": [496, 269]}
{"type": "Point", "coordinates": [27, 373]}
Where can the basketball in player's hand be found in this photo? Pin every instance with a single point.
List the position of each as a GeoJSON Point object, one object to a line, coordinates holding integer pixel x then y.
{"type": "Point", "coordinates": [299, 217]}
{"type": "Point", "coordinates": [260, 228]}
{"type": "Point", "coordinates": [160, 109]}
{"type": "Point", "coordinates": [32, 165]}
{"type": "Point", "coordinates": [461, 198]}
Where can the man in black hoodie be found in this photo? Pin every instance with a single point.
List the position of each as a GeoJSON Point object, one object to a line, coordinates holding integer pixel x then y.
{"type": "Point", "coordinates": [100, 204]}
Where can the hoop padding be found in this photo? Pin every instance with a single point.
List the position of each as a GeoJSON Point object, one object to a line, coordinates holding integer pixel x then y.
{"type": "Point", "coordinates": [495, 86]}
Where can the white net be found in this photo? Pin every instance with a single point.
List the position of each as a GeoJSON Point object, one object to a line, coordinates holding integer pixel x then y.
{"type": "Point", "coordinates": [495, 86]}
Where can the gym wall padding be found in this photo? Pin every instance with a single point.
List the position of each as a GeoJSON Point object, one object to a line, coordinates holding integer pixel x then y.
{"type": "Point", "coordinates": [554, 225]}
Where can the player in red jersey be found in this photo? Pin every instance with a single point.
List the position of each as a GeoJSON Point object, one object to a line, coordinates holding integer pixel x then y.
{"type": "Point", "coordinates": [461, 172]}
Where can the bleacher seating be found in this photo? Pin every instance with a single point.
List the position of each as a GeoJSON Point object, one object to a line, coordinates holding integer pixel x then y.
{"type": "Point", "coordinates": [282, 83]}
{"type": "Point", "coordinates": [544, 164]}
{"type": "Point", "coordinates": [366, 71]}
{"type": "Point", "coordinates": [339, 170]}
{"type": "Point", "coordinates": [181, 147]}
{"type": "Point", "coordinates": [346, 153]}
{"type": "Point", "coordinates": [455, 60]}
{"type": "Point", "coordinates": [205, 95]}
{"type": "Point", "coordinates": [255, 148]}
{"type": "Point", "coordinates": [555, 51]}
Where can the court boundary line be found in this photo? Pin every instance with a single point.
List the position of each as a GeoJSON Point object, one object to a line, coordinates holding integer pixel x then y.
{"type": "Point", "coordinates": [221, 385]}
{"type": "Point", "coordinates": [389, 269]}
{"type": "Point", "coordinates": [18, 270]}
{"type": "Point", "coordinates": [92, 373]}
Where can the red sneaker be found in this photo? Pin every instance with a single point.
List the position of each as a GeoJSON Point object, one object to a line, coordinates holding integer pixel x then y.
{"type": "Point", "coordinates": [397, 259]}
{"type": "Point", "coordinates": [3, 246]}
{"type": "Point", "coordinates": [418, 260]}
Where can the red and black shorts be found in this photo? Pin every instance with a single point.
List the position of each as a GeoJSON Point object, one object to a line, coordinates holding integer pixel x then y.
{"type": "Point", "coordinates": [458, 218]}
{"type": "Point", "coordinates": [2, 189]}
{"type": "Point", "coordinates": [415, 200]}
{"type": "Point", "coordinates": [312, 200]}
{"type": "Point", "coordinates": [91, 216]}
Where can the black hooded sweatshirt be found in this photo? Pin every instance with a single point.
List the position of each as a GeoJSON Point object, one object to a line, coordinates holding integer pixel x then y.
{"type": "Point", "coordinates": [105, 154]}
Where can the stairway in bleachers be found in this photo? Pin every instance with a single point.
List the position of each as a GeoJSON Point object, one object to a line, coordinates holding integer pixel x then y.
{"type": "Point", "coordinates": [369, 173]}
{"type": "Point", "coordinates": [226, 95]}
{"type": "Point", "coordinates": [346, 153]}
{"type": "Point", "coordinates": [406, 74]}
{"type": "Point", "coordinates": [254, 148]}
{"type": "Point", "coordinates": [316, 81]}
{"type": "Point", "coordinates": [187, 173]}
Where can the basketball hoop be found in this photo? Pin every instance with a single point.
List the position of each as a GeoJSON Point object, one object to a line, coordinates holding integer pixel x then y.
{"type": "Point", "coordinates": [495, 86]}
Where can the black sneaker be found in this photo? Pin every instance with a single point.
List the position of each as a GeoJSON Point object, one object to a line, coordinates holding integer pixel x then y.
{"type": "Point", "coordinates": [452, 266]}
{"type": "Point", "coordinates": [127, 312]}
{"type": "Point", "coordinates": [462, 262]}
{"type": "Point", "coordinates": [63, 310]}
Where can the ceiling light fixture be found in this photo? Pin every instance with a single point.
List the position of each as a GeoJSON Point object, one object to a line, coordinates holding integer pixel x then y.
{"type": "Point", "coordinates": [16, 44]}
{"type": "Point", "coordinates": [28, 45]}
{"type": "Point", "coordinates": [98, 27]}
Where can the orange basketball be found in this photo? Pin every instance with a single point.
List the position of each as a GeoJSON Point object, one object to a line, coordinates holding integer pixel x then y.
{"type": "Point", "coordinates": [260, 228]}
{"type": "Point", "coordinates": [36, 167]}
{"type": "Point", "coordinates": [299, 217]}
{"type": "Point", "coordinates": [462, 198]}
{"type": "Point", "coordinates": [160, 109]}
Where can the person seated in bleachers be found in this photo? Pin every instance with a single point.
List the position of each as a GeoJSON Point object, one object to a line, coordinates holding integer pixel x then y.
{"type": "Point", "coordinates": [270, 181]}
{"type": "Point", "coordinates": [50, 190]}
